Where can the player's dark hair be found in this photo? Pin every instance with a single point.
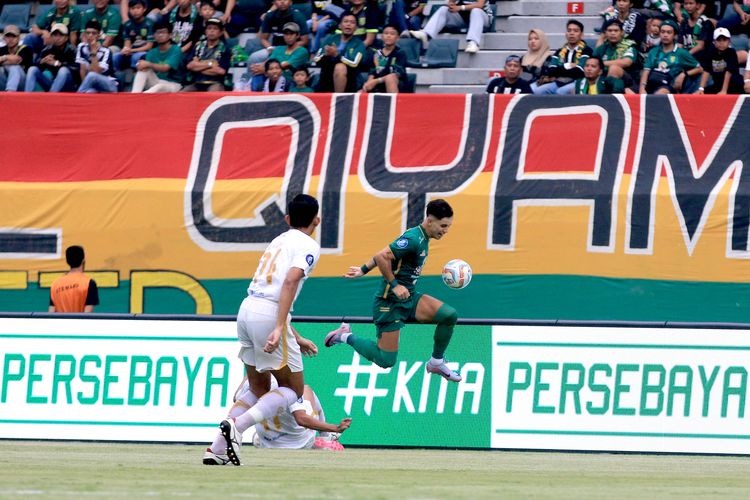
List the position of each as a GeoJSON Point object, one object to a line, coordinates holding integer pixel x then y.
{"type": "Point", "coordinates": [439, 209]}
{"type": "Point", "coordinates": [302, 210]}
{"type": "Point", "coordinates": [74, 256]}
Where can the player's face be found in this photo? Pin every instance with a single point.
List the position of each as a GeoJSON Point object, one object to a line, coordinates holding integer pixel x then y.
{"type": "Point", "coordinates": [614, 34]}
{"type": "Point", "coordinates": [437, 228]}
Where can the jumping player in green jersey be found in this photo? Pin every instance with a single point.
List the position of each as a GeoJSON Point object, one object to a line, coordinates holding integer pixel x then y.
{"type": "Point", "coordinates": [396, 300]}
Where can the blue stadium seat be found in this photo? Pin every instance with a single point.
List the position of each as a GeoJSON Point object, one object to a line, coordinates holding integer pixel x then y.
{"type": "Point", "coordinates": [411, 83]}
{"type": "Point", "coordinates": [740, 42]}
{"type": "Point", "coordinates": [17, 14]}
{"type": "Point", "coordinates": [441, 53]}
{"type": "Point", "coordinates": [412, 47]}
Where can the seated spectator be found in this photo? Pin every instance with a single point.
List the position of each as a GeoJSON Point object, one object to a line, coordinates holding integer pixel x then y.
{"type": "Point", "coordinates": [668, 67]}
{"type": "Point", "coordinates": [291, 55]}
{"type": "Point", "coordinates": [137, 36]}
{"type": "Point", "coordinates": [369, 20]}
{"type": "Point", "coordinates": [61, 13]}
{"type": "Point", "coordinates": [407, 16]}
{"type": "Point", "coordinates": [633, 22]}
{"type": "Point", "coordinates": [594, 82]}
{"type": "Point", "coordinates": [388, 68]}
{"type": "Point", "coordinates": [653, 39]}
{"type": "Point", "coordinates": [156, 9]}
{"type": "Point", "coordinates": [159, 71]}
{"type": "Point", "coordinates": [696, 30]}
{"type": "Point", "coordinates": [301, 78]}
{"type": "Point", "coordinates": [108, 18]}
{"type": "Point", "coordinates": [738, 21]}
{"type": "Point", "coordinates": [95, 62]}
{"type": "Point", "coordinates": [340, 58]}
{"type": "Point", "coordinates": [209, 61]}
{"type": "Point", "coordinates": [57, 64]}
{"type": "Point", "coordinates": [476, 16]}
{"type": "Point", "coordinates": [719, 62]}
{"type": "Point", "coordinates": [207, 11]}
{"type": "Point", "coordinates": [274, 80]}
{"type": "Point", "coordinates": [511, 83]}
{"type": "Point", "coordinates": [183, 20]}
{"type": "Point", "coordinates": [15, 59]}
{"type": "Point", "coordinates": [618, 55]}
{"type": "Point", "coordinates": [324, 18]}
{"type": "Point", "coordinates": [566, 65]}
{"type": "Point", "coordinates": [534, 58]}
{"type": "Point", "coordinates": [242, 14]}
{"type": "Point", "coordinates": [271, 31]}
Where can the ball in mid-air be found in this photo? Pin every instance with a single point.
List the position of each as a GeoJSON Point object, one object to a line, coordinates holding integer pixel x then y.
{"type": "Point", "coordinates": [456, 274]}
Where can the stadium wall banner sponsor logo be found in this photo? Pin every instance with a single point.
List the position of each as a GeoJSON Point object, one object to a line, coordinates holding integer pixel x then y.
{"type": "Point", "coordinates": [600, 186]}
{"type": "Point", "coordinates": [624, 389]}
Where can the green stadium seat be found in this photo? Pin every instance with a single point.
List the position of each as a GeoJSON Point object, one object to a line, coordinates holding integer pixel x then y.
{"type": "Point", "coordinates": [441, 53]}
{"type": "Point", "coordinates": [413, 48]}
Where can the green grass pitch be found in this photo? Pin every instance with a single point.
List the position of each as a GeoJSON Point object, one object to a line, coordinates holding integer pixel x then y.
{"type": "Point", "coordinates": [30, 469]}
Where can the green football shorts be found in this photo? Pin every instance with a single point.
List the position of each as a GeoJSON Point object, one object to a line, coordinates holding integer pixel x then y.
{"type": "Point", "coordinates": [390, 315]}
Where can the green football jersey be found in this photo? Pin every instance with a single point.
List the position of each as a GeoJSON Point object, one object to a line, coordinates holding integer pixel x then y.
{"type": "Point", "coordinates": [410, 250]}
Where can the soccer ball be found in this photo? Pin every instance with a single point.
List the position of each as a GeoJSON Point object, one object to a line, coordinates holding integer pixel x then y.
{"type": "Point", "coordinates": [456, 274]}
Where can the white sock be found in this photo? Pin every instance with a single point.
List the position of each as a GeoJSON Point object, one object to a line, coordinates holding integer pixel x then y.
{"type": "Point", "coordinates": [345, 336]}
{"type": "Point", "coordinates": [267, 406]}
{"type": "Point", "coordinates": [245, 400]}
{"type": "Point", "coordinates": [219, 446]}
{"type": "Point", "coordinates": [436, 361]}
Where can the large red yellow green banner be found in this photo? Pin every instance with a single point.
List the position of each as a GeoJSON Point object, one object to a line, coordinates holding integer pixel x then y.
{"type": "Point", "coordinates": [556, 198]}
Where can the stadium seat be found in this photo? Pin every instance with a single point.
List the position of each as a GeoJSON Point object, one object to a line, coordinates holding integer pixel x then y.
{"type": "Point", "coordinates": [412, 47]}
{"type": "Point", "coordinates": [17, 14]}
{"type": "Point", "coordinates": [441, 53]}
{"type": "Point", "coordinates": [740, 42]}
{"type": "Point", "coordinates": [411, 83]}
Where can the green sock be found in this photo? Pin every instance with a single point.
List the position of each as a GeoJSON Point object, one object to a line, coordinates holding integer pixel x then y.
{"type": "Point", "coordinates": [446, 318]}
{"type": "Point", "coordinates": [370, 350]}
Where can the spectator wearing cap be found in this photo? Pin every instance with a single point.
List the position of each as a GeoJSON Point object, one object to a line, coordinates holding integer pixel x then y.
{"type": "Point", "coordinates": [633, 21]}
{"type": "Point", "coordinates": [388, 67]}
{"type": "Point", "coordinates": [340, 58]}
{"type": "Point", "coordinates": [669, 68]}
{"type": "Point", "coordinates": [137, 36]}
{"type": "Point", "coordinates": [619, 55]}
{"type": "Point", "coordinates": [159, 71]}
{"type": "Point", "coordinates": [109, 19]}
{"type": "Point", "coordinates": [696, 30]}
{"type": "Point", "coordinates": [94, 62]}
{"type": "Point", "coordinates": [594, 82]}
{"type": "Point", "coordinates": [208, 61]}
{"type": "Point", "coordinates": [291, 56]}
{"type": "Point", "coordinates": [271, 31]}
{"type": "Point", "coordinates": [62, 13]}
{"type": "Point", "coordinates": [719, 62]}
{"type": "Point", "coordinates": [475, 16]}
{"type": "Point", "coordinates": [57, 64]}
{"type": "Point", "coordinates": [242, 14]}
{"type": "Point", "coordinates": [15, 59]}
{"type": "Point", "coordinates": [511, 82]}
{"type": "Point", "coordinates": [566, 64]}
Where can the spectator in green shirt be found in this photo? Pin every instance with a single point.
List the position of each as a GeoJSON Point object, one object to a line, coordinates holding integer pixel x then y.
{"type": "Point", "coordinates": [108, 18]}
{"type": "Point", "coordinates": [159, 70]}
{"type": "Point", "coordinates": [669, 68]}
{"type": "Point", "coordinates": [61, 13]}
{"type": "Point", "coordinates": [301, 77]}
{"type": "Point", "coordinates": [619, 54]}
{"type": "Point", "coordinates": [340, 58]}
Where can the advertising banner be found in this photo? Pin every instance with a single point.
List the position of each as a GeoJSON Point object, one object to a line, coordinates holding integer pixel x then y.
{"type": "Point", "coordinates": [577, 207]}
{"type": "Point", "coordinates": [524, 387]}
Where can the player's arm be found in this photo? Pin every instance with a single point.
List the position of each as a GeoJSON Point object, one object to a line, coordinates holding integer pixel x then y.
{"type": "Point", "coordinates": [384, 260]}
{"type": "Point", "coordinates": [306, 346]}
{"type": "Point", "coordinates": [310, 422]}
{"type": "Point", "coordinates": [288, 291]}
{"type": "Point", "coordinates": [356, 272]}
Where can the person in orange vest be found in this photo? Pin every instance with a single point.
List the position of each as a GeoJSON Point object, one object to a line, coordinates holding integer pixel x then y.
{"type": "Point", "coordinates": [74, 292]}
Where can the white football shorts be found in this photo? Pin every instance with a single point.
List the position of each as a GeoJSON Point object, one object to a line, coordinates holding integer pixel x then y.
{"type": "Point", "coordinates": [256, 320]}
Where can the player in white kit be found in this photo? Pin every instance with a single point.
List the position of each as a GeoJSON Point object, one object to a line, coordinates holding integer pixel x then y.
{"type": "Point", "coordinates": [269, 345]}
{"type": "Point", "coordinates": [292, 429]}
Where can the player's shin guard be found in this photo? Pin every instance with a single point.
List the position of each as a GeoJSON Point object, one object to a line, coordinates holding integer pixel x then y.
{"type": "Point", "coordinates": [272, 403]}
{"type": "Point", "coordinates": [370, 350]}
{"type": "Point", "coordinates": [446, 318]}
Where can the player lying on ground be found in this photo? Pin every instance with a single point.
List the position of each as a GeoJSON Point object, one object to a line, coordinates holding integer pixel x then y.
{"type": "Point", "coordinates": [396, 300]}
{"type": "Point", "coordinates": [293, 428]}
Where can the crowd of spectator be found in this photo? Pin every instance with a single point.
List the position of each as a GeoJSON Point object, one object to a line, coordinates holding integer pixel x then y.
{"type": "Point", "coordinates": [662, 47]}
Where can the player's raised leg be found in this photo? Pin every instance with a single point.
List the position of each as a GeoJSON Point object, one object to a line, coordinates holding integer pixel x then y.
{"type": "Point", "coordinates": [432, 310]}
{"type": "Point", "coordinates": [383, 353]}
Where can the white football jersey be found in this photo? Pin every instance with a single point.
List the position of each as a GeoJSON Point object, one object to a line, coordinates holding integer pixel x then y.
{"type": "Point", "coordinates": [290, 249]}
{"type": "Point", "coordinates": [282, 431]}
